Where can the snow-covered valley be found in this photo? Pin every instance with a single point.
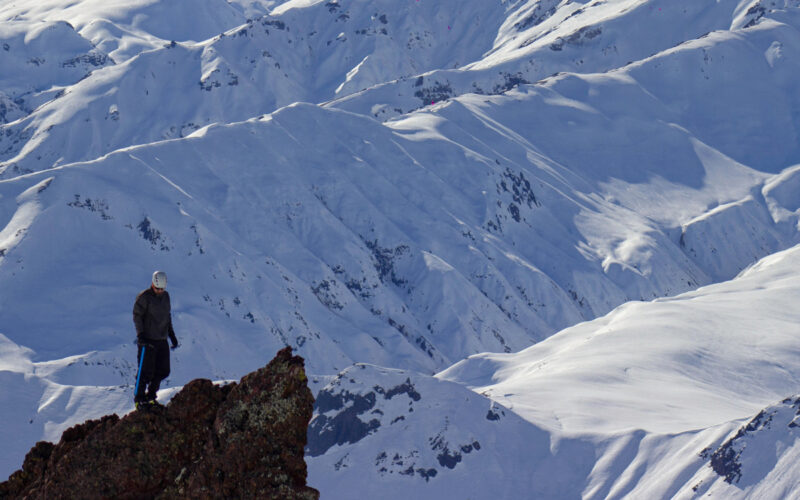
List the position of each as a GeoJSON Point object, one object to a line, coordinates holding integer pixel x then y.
{"type": "Point", "coordinates": [550, 244]}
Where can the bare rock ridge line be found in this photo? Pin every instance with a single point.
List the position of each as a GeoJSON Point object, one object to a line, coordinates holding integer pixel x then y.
{"type": "Point", "coordinates": [241, 440]}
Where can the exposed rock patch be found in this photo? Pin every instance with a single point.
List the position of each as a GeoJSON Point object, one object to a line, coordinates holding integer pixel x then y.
{"type": "Point", "coordinates": [242, 440]}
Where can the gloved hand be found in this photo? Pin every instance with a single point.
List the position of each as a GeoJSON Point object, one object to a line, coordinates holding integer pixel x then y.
{"type": "Point", "coordinates": [144, 343]}
{"type": "Point", "coordinates": [175, 346]}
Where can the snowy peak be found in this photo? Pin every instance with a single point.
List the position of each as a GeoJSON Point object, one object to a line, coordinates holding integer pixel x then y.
{"type": "Point", "coordinates": [37, 57]}
{"type": "Point", "coordinates": [374, 427]}
{"type": "Point", "coordinates": [251, 68]}
{"type": "Point", "coordinates": [124, 28]}
{"type": "Point", "coordinates": [371, 57]}
{"type": "Point", "coordinates": [541, 39]}
{"type": "Point", "coordinates": [710, 357]}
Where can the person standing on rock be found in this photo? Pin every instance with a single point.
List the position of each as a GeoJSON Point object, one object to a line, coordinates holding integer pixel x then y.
{"type": "Point", "coordinates": [153, 321]}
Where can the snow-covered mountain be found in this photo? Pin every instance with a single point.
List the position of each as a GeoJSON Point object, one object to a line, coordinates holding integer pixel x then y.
{"type": "Point", "coordinates": [681, 397]}
{"type": "Point", "coordinates": [462, 178]}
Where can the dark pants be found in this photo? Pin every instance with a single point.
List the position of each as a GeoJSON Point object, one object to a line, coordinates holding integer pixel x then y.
{"type": "Point", "coordinates": [154, 369]}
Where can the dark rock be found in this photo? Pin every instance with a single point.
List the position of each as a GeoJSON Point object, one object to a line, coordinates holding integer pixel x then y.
{"type": "Point", "coordinates": [510, 81]}
{"type": "Point", "coordinates": [333, 6]}
{"type": "Point", "coordinates": [241, 440]}
{"type": "Point", "coordinates": [536, 17]}
{"type": "Point", "coordinates": [151, 234]}
{"type": "Point", "coordinates": [343, 427]}
{"type": "Point", "coordinates": [451, 458]}
{"type": "Point", "coordinates": [95, 59]}
{"type": "Point", "coordinates": [756, 12]}
{"type": "Point", "coordinates": [338, 411]}
{"type": "Point", "coordinates": [277, 24]}
{"type": "Point", "coordinates": [427, 474]}
{"type": "Point", "coordinates": [577, 38]}
{"type": "Point", "coordinates": [405, 388]}
{"type": "Point", "coordinates": [384, 260]}
{"type": "Point", "coordinates": [436, 93]}
{"type": "Point", "coordinates": [326, 295]}
{"type": "Point", "coordinates": [726, 460]}
{"type": "Point", "coordinates": [738, 460]}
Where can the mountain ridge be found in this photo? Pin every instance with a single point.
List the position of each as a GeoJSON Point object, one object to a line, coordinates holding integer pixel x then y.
{"type": "Point", "coordinates": [488, 208]}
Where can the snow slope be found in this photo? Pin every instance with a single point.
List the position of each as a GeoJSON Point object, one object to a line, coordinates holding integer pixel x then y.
{"type": "Point", "coordinates": [728, 345]}
{"type": "Point", "coordinates": [378, 58]}
{"type": "Point", "coordinates": [370, 227]}
{"type": "Point", "coordinates": [162, 89]}
{"type": "Point", "coordinates": [399, 434]}
{"type": "Point", "coordinates": [654, 400]}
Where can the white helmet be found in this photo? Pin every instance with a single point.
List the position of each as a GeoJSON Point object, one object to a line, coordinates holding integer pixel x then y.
{"type": "Point", "coordinates": [160, 279]}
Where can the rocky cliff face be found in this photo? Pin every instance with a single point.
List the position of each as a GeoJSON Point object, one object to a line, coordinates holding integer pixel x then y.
{"type": "Point", "coordinates": [243, 440]}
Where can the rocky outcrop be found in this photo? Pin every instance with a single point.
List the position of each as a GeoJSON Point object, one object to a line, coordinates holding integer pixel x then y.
{"type": "Point", "coordinates": [242, 440]}
{"type": "Point", "coordinates": [754, 451]}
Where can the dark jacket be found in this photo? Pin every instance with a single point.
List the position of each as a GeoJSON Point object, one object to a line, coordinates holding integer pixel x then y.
{"type": "Point", "coordinates": [151, 315]}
